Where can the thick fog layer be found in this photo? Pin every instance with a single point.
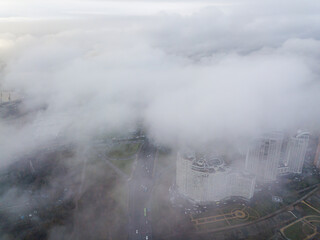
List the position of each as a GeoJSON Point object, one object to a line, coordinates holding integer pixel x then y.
{"type": "Point", "coordinates": [219, 71]}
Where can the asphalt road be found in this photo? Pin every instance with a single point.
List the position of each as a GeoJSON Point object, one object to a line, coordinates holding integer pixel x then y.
{"type": "Point", "coordinates": [140, 187]}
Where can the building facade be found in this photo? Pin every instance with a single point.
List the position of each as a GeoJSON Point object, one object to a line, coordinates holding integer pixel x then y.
{"type": "Point", "coordinates": [282, 170]}
{"type": "Point", "coordinates": [263, 156]}
{"type": "Point", "coordinates": [205, 178]}
{"type": "Point", "coordinates": [317, 156]}
{"type": "Point", "coordinates": [296, 152]}
{"type": "Point", "coordinates": [241, 184]}
{"type": "Point", "coordinates": [7, 96]}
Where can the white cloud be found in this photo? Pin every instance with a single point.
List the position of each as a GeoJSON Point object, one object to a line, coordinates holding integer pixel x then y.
{"type": "Point", "coordinates": [219, 72]}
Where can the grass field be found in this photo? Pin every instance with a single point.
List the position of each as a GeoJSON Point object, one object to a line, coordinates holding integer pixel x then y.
{"type": "Point", "coordinates": [121, 151]}
{"type": "Point", "coordinates": [306, 227]}
{"type": "Point", "coordinates": [307, 210]}
{"type": "Point", "coordinates": [314, 201]}
{"type": "Point", "coordinates": [223, 217]}
{"type": "Point", "coordinates": [294, 232]}
{"type": "Point", "coordinates": [123, 156]}
{"type": "Point", "coordinates": [264, 205]}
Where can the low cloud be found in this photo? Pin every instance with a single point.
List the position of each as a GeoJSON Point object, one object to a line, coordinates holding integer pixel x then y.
{"type": "Point", "coordinates": [228, 71]}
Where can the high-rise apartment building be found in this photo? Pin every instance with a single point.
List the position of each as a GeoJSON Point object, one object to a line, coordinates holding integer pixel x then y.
{"type": "Point", "coordinates": [317, 157]}
{"type": "Point", "coordinates": [296, 152]}
{"type": "Point", "coordinates": [205, 178]}
{"type": "Point", "coordinates": [263, 156]}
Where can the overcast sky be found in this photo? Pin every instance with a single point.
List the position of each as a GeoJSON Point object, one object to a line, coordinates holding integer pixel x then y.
{"type": "Point", "coordinates": [193, 71]}
{"type": "Point", "coordinates": [56, 9]}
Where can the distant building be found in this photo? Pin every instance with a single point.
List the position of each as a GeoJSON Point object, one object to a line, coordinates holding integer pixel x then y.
{"type": "Point", "coordinates": [296, 152]}
{"type": "Point", "coordinates": [283, 170]}
{"type": "Point", "coordinates": [205, 178]}
{"type": "Point", "coordinates": [272, 155]}
{"type": "Point", "coordinates": [317, 157]}
{"type": "Point", "coordinates": [263, 156]}
{"type": "Point", "coordinates": [7, 96]}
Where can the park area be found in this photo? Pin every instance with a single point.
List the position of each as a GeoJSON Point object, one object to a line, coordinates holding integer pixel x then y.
{"type": "Point", "coordinates": [123, 155]}
{"type": "Point", "coordinates": [308, 225]}
{"type": "Point", "coordinates": [303, 228]}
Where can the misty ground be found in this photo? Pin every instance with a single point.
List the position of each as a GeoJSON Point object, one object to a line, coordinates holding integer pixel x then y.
{"type": "Point", "coordinates": [60, 198]}
{"type": "Point", "coordinates": [70, 192]}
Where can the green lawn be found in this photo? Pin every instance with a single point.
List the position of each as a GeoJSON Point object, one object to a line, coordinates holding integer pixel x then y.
{"type": "Point", "coordinates": [214, 225]}
{"type": "Point", "coordinates": [263, 204]}
{"type": "Point", "coordinates": [301, 230]}
{"type": "Point", "coordinates": [126, 150]}
{"type": "Point", "coordinates": [123, 156]}
{"type": "Point", "coordinates": [313, 201]}
{"type": "Point", "coordinates": [307, 210]}
{"type": "Point", "coordinates": [295, 232]}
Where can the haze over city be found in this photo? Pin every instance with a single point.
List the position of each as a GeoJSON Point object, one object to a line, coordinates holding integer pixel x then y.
{"type": "Point", "coordinates": [156, 80]}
